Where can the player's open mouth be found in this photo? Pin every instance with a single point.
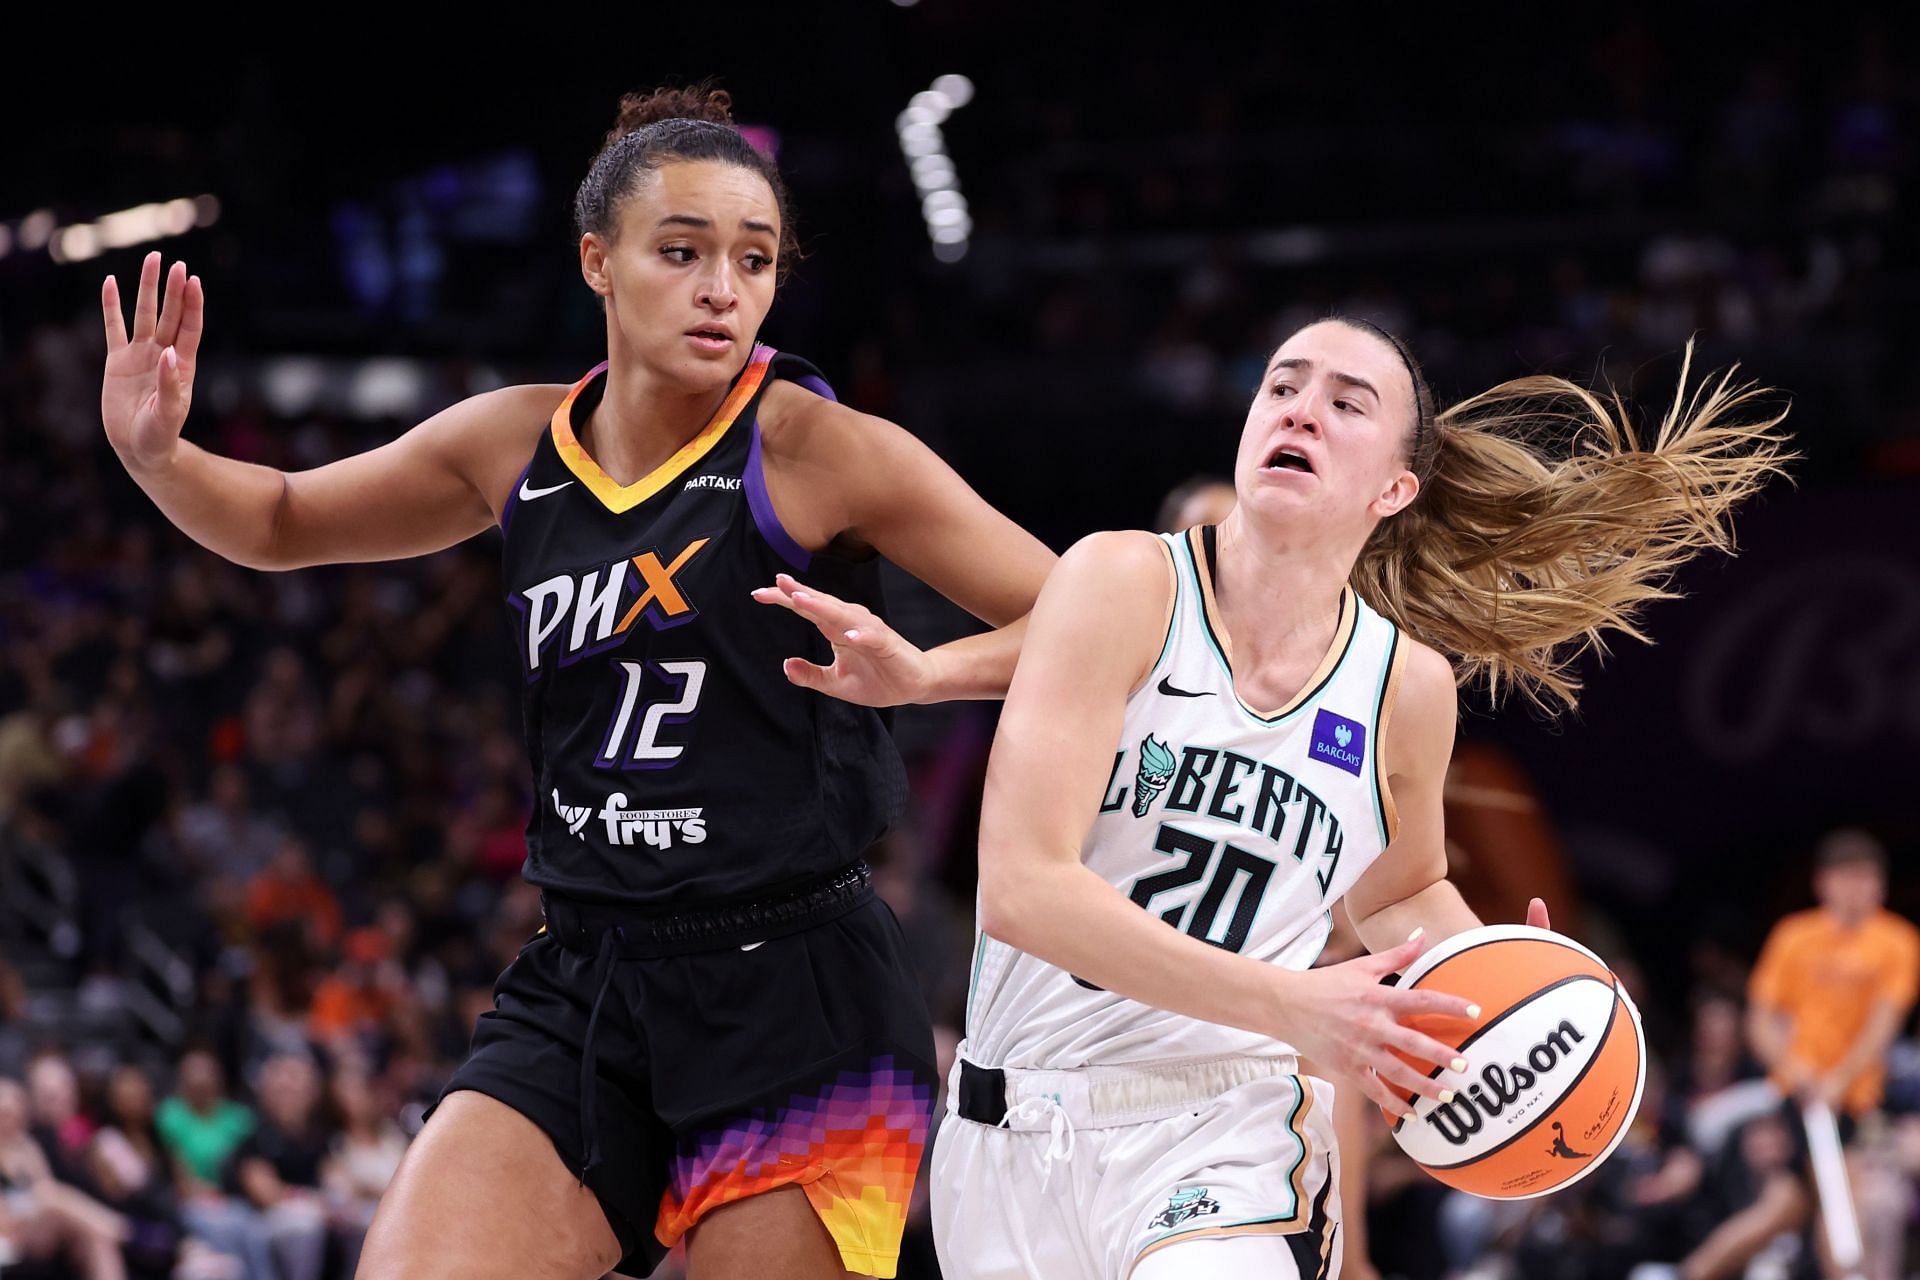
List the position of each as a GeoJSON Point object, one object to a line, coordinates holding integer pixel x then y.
{"type": "Point", "coordinates": [1288, 459]}
{"type": "Point", "coordinates": [711, 339]}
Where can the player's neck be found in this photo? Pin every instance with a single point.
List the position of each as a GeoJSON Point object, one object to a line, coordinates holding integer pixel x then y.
{"type": "Point", "coordinates": [641, 421]}
{"type": "Point", "coordinates": [1280, 599]}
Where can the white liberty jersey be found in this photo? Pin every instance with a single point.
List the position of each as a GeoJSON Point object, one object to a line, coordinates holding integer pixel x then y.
{"type": "Point", "coordinates": [1237, 826]}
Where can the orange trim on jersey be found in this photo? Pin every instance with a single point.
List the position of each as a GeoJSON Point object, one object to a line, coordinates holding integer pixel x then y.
{"type": "Point", "coordinates": [1291, 1227]}
{"type": "Point", "coordinates": [1387, 808]}
{"type": "Point", "coordinates": [1342, 634]}
{"type": "Point", "coordinates": [619, 498]}
{"type": "Point", "coordinates": [1303, 1210]}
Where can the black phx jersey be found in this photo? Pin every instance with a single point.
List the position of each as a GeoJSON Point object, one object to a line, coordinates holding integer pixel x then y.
{"type": "Point", "coordinates": [674, 762]}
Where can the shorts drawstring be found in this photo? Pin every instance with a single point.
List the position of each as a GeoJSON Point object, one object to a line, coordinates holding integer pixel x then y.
{"type": "Point", "coordinates": [1060, 1125]}
{"type": "Point", "coordinates": [590, 1061]}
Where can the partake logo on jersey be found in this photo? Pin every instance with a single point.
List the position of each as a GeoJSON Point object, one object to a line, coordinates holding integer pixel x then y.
{"type": "Point", "coordinates": [657, 828]}
{"type": "Point", "coordinates": [1339, 742]}
{"type": "Point", "coordinates": [713, 482]}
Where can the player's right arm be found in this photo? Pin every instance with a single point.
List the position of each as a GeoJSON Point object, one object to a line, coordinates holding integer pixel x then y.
{"type": "Point", "coordinates": [438, 484]}
{"type": "Point", "coordinates": [1092, 639]}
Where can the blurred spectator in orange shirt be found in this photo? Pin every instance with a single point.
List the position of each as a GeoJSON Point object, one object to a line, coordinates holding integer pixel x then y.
{"type": "Point", "coordinates": [1834, 984]}
{"type": "Point", "coordinates": [357, 997]}
{"type": "Point", "coordinates": [289, 890]}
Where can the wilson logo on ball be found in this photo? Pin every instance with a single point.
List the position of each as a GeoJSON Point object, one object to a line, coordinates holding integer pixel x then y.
{"type": "Point", "coordinates": [1557, 1059]}
{"type": "Point", "coordinates": [1502, 1087]}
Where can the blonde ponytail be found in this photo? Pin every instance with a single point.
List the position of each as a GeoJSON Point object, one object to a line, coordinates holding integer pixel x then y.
{"type": "Point", "coordinates": [1543, 521]}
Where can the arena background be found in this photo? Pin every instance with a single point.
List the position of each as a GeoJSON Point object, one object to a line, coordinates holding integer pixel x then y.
{"type": "Point", "coordinates": [1149, 206]}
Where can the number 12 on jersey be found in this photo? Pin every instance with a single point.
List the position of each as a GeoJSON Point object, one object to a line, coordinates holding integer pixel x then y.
{"type": "Point", "coordinates": [1237, 872]}
{"type": "Point", "coordinates": [632, 741]}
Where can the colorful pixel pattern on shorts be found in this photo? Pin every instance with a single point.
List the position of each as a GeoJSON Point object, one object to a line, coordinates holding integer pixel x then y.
{"type": "Point", "coordinates": [854, 1146]}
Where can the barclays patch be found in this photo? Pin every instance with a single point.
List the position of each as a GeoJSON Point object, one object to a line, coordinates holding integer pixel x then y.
{"type": "Point", "coordinates": [1339, 742]}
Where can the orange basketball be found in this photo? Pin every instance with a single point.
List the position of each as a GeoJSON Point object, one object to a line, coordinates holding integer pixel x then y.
{"type": "Point", "coordinates": [1555, 1063]}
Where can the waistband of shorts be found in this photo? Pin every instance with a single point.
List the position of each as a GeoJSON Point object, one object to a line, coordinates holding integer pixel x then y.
{"type": "Point", "coordinates": [640, 935]}
{"type": "Point", "coordinates": [1105, 1096]}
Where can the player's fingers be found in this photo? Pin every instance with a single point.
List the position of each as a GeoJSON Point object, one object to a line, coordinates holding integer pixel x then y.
{"type": "Point", "coordinates": [830, 612]}
{"type": "Point", "coordinates": [173, 390]}
{"type": "Point", "coordinates": [1537, 914]}
{"type": "Point", "coordinates": [1398, 1074]}
{"type": "Point", "coordinates": [111, 315]}
{"type": "Point", "coordinates": [774, 596]}
{"type": "Point", "coordinates": [1425, 1001]}
{"type": "Point", "coordinates": [1423, 1048]}
{"type": "Point", "coordinates": [146, 305]}
{"type": "Point", "coordinates": [1376, 1089]}
{"type": "Point", "coordinates": [875, 637]}
{"type": "Point", "coordinates": [805, 674]}
{"type": "Point", "coordinates": [167, 331]}
{"type": "Point", "coordinates": [192, 317]}
{"type": "Point", "coordinates": [1394, 959]}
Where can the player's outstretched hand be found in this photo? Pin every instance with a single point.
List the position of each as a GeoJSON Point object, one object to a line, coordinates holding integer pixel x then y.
{"type": "Point", "coordinates": [872, 665]}
{"type": "Point", "coordinates": [1344, 1019]}
{"type": "Point", "coordinates": [148, 384]}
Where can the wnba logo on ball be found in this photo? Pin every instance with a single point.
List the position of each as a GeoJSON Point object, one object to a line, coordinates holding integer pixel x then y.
{"type": "Point", "coordinates": [1500, 1088]}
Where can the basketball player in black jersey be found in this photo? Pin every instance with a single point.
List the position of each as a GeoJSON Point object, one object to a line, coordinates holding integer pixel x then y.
{"type": "Point", "coordinates": [716, 1035]}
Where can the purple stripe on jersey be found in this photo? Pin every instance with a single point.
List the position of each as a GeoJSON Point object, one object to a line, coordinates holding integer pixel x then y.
{"type": "Point", "coordinates": [764, 516]}
{"type": "Point", "coordinates": [818, 386]}
{"type": "Point", "coordinates": [513, 494]}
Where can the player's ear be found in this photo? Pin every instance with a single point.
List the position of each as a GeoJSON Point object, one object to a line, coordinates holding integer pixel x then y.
{"type": "Point", "coordinates": [1402, 490]}
{"type": "Point", "coordinates": [593, 264]}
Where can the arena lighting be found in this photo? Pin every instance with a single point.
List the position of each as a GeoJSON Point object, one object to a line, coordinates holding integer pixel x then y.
{"type": "Point", "coordinates": [957, 88]}
{"type": "Point", "coordinates": [932, 173]}
{"type": "Point", "coordinates": [934, 176]}
{"type": "Point", "coordinates": [36, 229]}
{"type": "Point", "coordinates": [141, 224]}
{"type": "Point", "coordinates": [386, 388]}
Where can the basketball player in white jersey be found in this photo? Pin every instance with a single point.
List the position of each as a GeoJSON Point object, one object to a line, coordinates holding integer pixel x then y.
{"type": "Point", "coordinates": [1215, 731]}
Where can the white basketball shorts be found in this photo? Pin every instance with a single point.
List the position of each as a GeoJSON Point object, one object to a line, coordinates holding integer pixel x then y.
{"type": "Point", "coordinates": [1222, 1168]}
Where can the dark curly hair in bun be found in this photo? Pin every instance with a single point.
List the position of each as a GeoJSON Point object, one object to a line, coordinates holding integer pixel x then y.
{"type": "Point", "coordinates": [693, 123]}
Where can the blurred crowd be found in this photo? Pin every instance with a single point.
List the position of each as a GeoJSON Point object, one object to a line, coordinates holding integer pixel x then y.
{"type": "Point", "coordinates": [260, 834]}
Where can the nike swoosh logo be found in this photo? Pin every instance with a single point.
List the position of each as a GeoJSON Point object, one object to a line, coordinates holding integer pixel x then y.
{"type": "Point", "coordinates": [1172, 692]}
{"type": "Point", "coordinates": [528, 495]}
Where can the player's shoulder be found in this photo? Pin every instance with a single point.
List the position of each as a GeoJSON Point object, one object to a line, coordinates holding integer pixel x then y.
{"type": "Point", "coordinates": [1427, 685]}
{"type": "Point", "coordinates": [524, 406]}
{"type": "Point", "coordinates": [494, 417]}
{"type": "Point", "coordinates": [1117, 565]}
{"type": "Point", "coordinates": [1110, 596]}
{"type": "Point", "coordinates": [487, 438]}
{"type": "Point", "coordinates": [794, 418]}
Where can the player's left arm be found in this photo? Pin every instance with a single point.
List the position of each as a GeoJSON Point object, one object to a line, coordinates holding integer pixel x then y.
{"type": "Point", "coordinates": [856, 483]}
{"type": "Point", "coordinates": [1407, 887]}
